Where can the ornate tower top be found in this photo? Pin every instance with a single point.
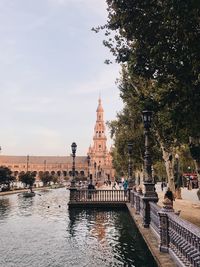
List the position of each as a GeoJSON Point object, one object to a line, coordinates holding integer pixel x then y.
{"type": "Point", "coordinates": [100, 108]}
{"type": "Point", "coordinates": [101, 160]}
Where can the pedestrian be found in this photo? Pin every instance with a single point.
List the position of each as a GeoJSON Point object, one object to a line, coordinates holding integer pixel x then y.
{"type": "Point", "coordinates": [162, 185]}
{"type": "Point", "coordinates": [125, 186]}
{"type": "Point", "coordinates": [114, 185]}
{"type": "Point", "coordinates": [169, 195]}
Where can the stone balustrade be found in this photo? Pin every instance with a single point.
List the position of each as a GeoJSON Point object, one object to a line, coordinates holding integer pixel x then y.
{"type": "Point", "coordinates": [85, 195]}
{"type": "Point", "coordinates": [184, 240]}
{"type": "Point", "coordinates": [155, 222]}
{"type": "Point", "coordinates": [176, 236]}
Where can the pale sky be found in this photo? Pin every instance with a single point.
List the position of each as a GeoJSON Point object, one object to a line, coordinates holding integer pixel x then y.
{"type": "Point", "coordinates": [51, 73]}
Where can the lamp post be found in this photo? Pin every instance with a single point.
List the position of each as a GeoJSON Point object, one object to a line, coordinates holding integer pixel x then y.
{"type": "Point", "coordinates": [130, 151]}
{"type": "Point", "coordinates": [149, 186]}
{"type": "Point", "coordinates": [147, 118]}
{"type": "Point", "coordinates": [45, 164]}
{"type": "Point", "coordinates": [27, 163]}
{"type": "Point", "coordinates": [73, 147]}
{"type": "Point", "coordinates": [88, 161]}
{"type": "Point", "coordinates": [95, 170]}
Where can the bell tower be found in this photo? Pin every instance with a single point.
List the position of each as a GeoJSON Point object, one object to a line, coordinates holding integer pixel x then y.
{"type": "Point", "coordinates": [99, 138]}
{"type": "Point", "coordinates": [101, 160]}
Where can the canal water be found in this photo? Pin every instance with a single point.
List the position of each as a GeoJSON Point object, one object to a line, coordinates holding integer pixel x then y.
{"type": "Point", "coordinates": [42, 232]}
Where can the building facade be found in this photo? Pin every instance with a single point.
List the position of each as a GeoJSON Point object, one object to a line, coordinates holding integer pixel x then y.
{"type": "Point", "coordinates": [100, 165]}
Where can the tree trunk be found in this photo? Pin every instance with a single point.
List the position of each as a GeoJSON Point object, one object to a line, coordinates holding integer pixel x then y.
{"type": "Point", "coordinates": [169, 163]}
{"type": "Point", "coordinates": [197, 168]}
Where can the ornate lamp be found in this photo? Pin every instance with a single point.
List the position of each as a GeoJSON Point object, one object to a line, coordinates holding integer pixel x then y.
{"type": "Point", "coordinates": [130, 151]}
{"type": "Point", "coordinates": [149, 186]}
{"type": "Point", "coordinates": [73, 147]}
{"type": "Point", "coordinates": [88, 161]}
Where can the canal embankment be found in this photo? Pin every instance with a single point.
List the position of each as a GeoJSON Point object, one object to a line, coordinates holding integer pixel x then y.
{"type": "Point", "coordinates": [18, 191]}
{"type": "Point", "coordinates": [162, 259]}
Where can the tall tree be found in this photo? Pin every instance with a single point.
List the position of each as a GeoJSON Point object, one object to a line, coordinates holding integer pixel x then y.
{"type": "Point", "coordinates": [159, 42]}
{"type": "Point", "coordinates": [28, 179]}
{"type": "Point", "coordinates": [6, 177]}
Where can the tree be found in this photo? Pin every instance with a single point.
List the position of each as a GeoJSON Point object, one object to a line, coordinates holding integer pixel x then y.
{"type": "Point", "coordinates": [6, 177]}
{"type": "Point", "coordinates": [46, 178]}
{"type": "Point", "coordinates": [158, 42]}
{"type": "Point", "coordinates": [28, 179]}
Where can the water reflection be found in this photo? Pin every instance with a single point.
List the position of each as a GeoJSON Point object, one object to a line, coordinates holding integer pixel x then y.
{"type": "Point", "coordinates": [25, 205]}
{"type": "Point", "coordinates": [112, 238]}
{"type": "Point", "coordinates": [4, 207]}
{"type": "Point", "coordinates": [42, 232]}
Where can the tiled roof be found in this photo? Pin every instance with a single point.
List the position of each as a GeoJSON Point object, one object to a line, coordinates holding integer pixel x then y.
{"type": "Point", "coordinates": [41, 159]}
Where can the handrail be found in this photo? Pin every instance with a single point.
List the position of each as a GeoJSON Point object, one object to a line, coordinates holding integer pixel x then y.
{"type": "Point", "coordinates": [155, 221]}
{"type": "Point", "coordinates": [184, 239]}
{"type": "Point", "coordinates": [91, 195]}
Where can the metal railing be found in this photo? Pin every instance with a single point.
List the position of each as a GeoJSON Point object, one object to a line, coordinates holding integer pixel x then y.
{"type": "Point", "coordinates": [155, 219]}
{"type": "Point", "coordinates": [85, 195]}
{"type": "Point", "coordinates": [177, 236]}
{"type": "Point", "coordinates": [184, 240]}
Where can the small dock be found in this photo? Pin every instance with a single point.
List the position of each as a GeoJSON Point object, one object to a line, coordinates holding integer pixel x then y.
{"type": "Point", "coordinates": [98, 198]}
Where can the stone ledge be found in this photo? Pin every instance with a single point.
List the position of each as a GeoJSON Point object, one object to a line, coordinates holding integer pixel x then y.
{"type": "Point", "coordinates": [162, 259]}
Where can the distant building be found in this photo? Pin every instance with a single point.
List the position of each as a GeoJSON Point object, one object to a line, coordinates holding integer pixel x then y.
{"type": "Point", "coordinates": [101, 159]}
{"type": "Point", "coordinates": [100, 165]}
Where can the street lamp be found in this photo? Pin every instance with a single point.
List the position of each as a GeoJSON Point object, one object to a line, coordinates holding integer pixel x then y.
{"type": "Point", "coordinates": [88, 161]}
{"type": "Point", "coordinates": [45, 164]}
{"type": "Point", "coordinates": [149, 186]}
{"type": "Point", "coordinates": [130, 151]}
{"type": "Point", "coordinates": [73, 147]}
{"type": "Point", "coordinates": [27, 163]}
{"type": "Point", "coordinates": [95, 169]}
{"type": "Point", "coordinates": [147, 118]}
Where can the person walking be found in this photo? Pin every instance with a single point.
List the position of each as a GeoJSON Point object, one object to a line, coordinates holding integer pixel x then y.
{"type": "Point", "coordinates": [125, 186]}
{"type": "Point", "coordinates": [169, 195]}
{"type": "Point", "coordinates": [114, 185]}
{"type": "Point", "coordinates": [162, 185]}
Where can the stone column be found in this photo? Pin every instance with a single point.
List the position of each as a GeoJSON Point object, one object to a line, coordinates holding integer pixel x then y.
{"type": "Point", "coordinates": [73, 194]}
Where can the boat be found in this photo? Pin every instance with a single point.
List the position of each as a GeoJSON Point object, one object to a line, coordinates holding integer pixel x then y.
{"type": "Point", "coordinates": [28, 194]}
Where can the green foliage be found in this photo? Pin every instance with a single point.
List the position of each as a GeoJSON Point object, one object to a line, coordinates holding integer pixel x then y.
{"type": "Point", "coordinates": [46, 177]}
{"type": "Point", "coordinates": [27, 178]}
{"type": "Point", "coordinates": [55, 179]}
{"type": "Point", "coordinates": [6, 176]}
{"type": "Point", "coordinates": [159, 41]}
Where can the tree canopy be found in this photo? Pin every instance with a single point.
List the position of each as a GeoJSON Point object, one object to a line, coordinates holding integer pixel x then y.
{"type": "Point", "coordinates": [6, 176]}
{"type": "Point", "coordinates": [160, 41]}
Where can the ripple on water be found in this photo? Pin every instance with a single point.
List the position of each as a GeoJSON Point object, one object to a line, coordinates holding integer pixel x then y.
{"type": "Point", "coordinates": [42, 232]}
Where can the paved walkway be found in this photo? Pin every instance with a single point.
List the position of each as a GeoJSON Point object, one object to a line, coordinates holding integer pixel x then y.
{"type": "Point", "coordinates": [189, 205]}
{"type": "Point", "coordinates": [190, 210]}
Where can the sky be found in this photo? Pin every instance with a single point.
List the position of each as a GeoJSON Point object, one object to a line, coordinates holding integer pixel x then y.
{"type": "Point", "coordinates": [51, 74]}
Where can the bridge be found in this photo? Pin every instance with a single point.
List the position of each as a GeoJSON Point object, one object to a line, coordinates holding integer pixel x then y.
{"type": "Point", "coordinates": [174, 235]}
{"type": "Point", "coordinates": [100, 198]}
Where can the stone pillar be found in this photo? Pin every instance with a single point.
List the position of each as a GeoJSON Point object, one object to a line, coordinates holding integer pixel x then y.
{"type": "Point", "coordinates": [149, 195]}
{"type": "Point", "coordinates": [137, 198]}
{"type": "Point", "coordinates": [164, 225]}
{"type": "Point", "coordinates": [73, 194]}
